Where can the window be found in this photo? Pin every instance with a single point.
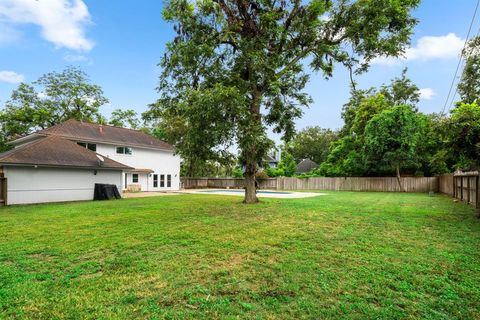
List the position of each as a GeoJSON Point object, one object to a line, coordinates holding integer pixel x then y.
{"type": "Point", "coordinates": [135, 178]}
{"type": "Point", "coordinates": [155, 180]}
{"type": "Point", "coordinates": [124, 150]}
{"type": "Point", "coordinates": [169, 180]}
{"type": "Point", "coordinates": [162, 181]}
{"type": "Point", "coordinates": [89, 146]}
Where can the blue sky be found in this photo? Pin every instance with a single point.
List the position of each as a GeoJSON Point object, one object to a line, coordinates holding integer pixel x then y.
{"type": "Point", "coordinates": [119, 43]}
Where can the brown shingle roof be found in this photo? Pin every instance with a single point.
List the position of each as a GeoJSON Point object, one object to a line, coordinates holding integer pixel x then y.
{"type": "Point", "coordinates": [84, 131]}
{"type": "Point", "coordinates": [56, 151]}
{"type": "Point", "coordinates": [306, 165]}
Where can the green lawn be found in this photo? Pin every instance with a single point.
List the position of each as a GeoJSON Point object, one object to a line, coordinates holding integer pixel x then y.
{"type": "Point", "coordinates": [343, 255]}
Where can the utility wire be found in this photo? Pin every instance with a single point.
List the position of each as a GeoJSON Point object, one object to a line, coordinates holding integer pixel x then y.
{"type": "Point", "coordinates": [460, 59]}
{"type": "Point", "coordinates": [456, 90]}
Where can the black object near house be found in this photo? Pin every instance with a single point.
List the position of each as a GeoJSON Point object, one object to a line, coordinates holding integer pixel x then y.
{"type": "Point", "coordinates": [106, 192]}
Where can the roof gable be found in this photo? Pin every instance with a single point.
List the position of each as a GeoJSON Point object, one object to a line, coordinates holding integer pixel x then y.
{"type": "Point", "coordinates": [76, 130]}
{"type": "Point", "coordinates": [56, 151]}
{"type": "Point", "coordinates": [306, 165]}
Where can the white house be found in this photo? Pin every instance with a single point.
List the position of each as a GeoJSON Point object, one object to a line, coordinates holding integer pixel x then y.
{"type": "Point", "coordinates": [63, 163]}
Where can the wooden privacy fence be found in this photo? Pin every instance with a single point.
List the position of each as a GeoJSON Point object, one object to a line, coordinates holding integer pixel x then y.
{"type": "Point", "coordinates": [465, 186]}
{"type": "Point", "coordinates": [224, 183]}
{"type": "Point", "coordinates": [388, 184]}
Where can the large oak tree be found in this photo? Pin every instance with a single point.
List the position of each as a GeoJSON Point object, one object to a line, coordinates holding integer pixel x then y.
{"type": "Point", "coordinates": [237, 67]}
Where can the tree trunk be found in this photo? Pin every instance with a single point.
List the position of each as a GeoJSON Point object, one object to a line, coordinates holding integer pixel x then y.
{"type": "Point", "coordinates": [399, 180]}
{"type": "Point", "coordinates": [250, 188]}
{"type": "Point", "coordinates": [251, 154]}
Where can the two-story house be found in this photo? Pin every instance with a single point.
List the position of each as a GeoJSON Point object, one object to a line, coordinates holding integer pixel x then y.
{"type": "Point", "coordinates": [63, 163]}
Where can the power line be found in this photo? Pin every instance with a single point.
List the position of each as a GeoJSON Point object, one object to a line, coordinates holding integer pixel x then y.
{"type": "Point", "coordinates": [460, 58]}
{"type": "Point", "coordinates": [456, 88]}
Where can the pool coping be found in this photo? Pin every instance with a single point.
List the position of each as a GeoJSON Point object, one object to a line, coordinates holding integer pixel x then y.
{"type": "Point", "coordinates": [228, 192]}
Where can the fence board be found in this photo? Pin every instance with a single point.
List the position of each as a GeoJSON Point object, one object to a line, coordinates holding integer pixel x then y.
{"type": "Point", "coordinates": [445, 184]}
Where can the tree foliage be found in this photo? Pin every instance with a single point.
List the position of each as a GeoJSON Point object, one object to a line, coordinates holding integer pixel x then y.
{"type": "Point", "coordinates": [392, 138]}
{"type": "Point", "coordinates": [469, 86]}
{"type": "Point", "coordinates": [287, 166]}
{"type": "Point", "coordinates": [237, 67]}
{"type": "Point", "coordinates": [347, 155]}
{"type": "Point", "coordinates": [464, 137]}
{"type": "Point", "coordinates": [53, 98]}
{"type": "Point", "coordinates": [124, 118]}
{"type": "Point", "coordinates": [312, 143]}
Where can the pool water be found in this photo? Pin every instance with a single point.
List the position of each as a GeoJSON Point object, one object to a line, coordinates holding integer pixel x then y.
{"type": "Point", "coordinates": [242, 191]}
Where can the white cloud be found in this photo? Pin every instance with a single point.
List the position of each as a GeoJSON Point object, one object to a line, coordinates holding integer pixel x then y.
{"type": "Point", "coordinates": [62, 22]}
{"type": "Point", "coordinates": [428, 48]}
{"type": "Point", "coordinates": [11, 77]}
{"type": "Point", "coordinates": [427, 93]}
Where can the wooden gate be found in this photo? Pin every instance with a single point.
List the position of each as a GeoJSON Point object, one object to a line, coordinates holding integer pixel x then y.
{"type": "Point", "coordinates": [466, 188]}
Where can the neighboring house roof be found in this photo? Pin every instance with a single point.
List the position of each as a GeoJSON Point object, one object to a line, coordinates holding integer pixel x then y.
{"type": "Point", "coordinates": [56, 151]}
{"type": "Point", "coordinates": [306, 165]}
{"type": "Point", "coordinates": [268, 158]}
{"type": "Point", "coordinates": [90, 132]}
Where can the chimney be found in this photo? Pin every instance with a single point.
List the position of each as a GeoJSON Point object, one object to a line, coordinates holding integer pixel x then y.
{"type": "Point", "coordinates": [100, 128]}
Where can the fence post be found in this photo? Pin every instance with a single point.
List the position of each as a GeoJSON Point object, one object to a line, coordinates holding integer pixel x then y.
{"type": "Point", "coordinates": [461, 188]}
{"type": "Point", "coordinates": [454, 187]}
{"type": "Point", "coordinates": [477, 194]}
{"type": "Point", "coordinates": [468, 190]}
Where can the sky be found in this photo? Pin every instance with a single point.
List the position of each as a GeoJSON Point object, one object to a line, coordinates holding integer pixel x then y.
{"type": "Point", "coordinates": [119, 44]}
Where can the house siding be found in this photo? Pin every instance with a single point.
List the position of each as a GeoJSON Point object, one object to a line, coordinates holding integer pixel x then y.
{"type": "Point", "coordinates": [36, 185]}
{"type": "Point", "coordinates": [160, 161]}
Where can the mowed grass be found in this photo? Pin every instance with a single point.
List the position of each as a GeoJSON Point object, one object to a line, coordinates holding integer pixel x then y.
{"type": "Point", "coordinates": [342, 255]}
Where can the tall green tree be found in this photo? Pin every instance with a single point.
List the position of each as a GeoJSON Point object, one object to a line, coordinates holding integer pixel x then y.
{"type": "Point", "coordinates": [53, 98]}
{"type": "Point", "coordinates": [469, 85]}
{"type": "Point", "coordinates": [346, 156]}
{"type": "Point", "coordinates": [257, 56]}
{"type": "Point", "coordinates": [124, 118]}
{"type": "Point", "coordinates": [392, 138]}
{"type": "Point", "coordinates": [464, 135]}
{"type": "Point", "coordinates": [312, 143]}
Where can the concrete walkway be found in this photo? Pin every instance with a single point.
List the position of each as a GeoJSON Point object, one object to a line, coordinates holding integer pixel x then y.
{"type": "Point", "coordinates": [144, 194]}
{"type": "Point", "coordinates": [261, 193]}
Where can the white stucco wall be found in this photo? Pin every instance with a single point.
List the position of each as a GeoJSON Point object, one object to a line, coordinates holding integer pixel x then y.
{"type": "Point", "coordinates": [161, 162]}
{"type": "Point", "coordinates": [36, 185]}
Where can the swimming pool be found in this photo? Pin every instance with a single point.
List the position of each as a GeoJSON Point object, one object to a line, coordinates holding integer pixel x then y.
{"type": "Point", "coordinates": [243, 191]}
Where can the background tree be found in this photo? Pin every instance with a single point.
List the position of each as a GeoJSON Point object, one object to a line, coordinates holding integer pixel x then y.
{"type": "Point", "coordinates": [253, 54]}
{"type": "Point", "coordinates": [469, 86]}
{"type": "Point", "coordinates": [464, 137]}
{"type": "Point", "coordinates": [391, 138]}
{"type": "Point", "coordinates": [124, 118]}
{"type": "Point", "coordinates": [312, 143]}
{"type": "Point", "coordinates": [287, 166]}
{"type": "Point", "coordinates": [401, 91]}
{"type": "Point", "coordinates": [346, 155]}
{"type": "Point", "coordinates": [53, 98]}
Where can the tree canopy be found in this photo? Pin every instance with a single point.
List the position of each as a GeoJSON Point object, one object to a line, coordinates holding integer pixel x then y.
{"type": "Point", "coordinates": [392, 138]}
{"type": "Point", "coordinates": [469, 85]}
{"type": "Point", "coordinates": [53, 98]}
{"type": "Point", "coordinates": [124, 118]}
{"type": "Point", "coordinates": [312, 143]}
